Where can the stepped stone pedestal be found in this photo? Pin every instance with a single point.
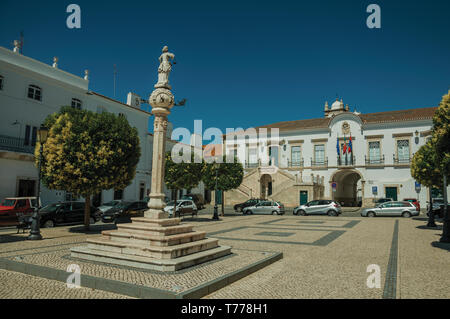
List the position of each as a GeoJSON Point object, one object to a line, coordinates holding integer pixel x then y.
{"type": "Point", "coordinates": [158, 244]}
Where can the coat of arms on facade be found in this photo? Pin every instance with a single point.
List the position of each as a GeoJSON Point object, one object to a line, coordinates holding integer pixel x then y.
{"type": "Point", "coordinates": [345, 128]}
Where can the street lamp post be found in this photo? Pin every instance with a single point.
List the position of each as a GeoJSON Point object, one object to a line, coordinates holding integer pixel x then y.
{"type": "Point", "coordinates": [216, 214]}
{"type": "Point", "coordinates": [35, 233]}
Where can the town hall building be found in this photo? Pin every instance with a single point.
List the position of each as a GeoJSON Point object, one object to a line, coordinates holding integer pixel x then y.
{"type": "Point", "coordinates": [346, 156]}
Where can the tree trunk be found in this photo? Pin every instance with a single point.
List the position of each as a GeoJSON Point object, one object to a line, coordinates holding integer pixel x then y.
{"type": "Point", "coordinates": [87, 211]}
{"type": "Point", "coordinates": [223, 203]}
{"type": "Point", "coordinates": [431, 222]}
{"type": "Point", "coordinates": [446, 226]}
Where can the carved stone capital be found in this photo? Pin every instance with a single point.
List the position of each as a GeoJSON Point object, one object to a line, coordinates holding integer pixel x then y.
{"type": "Point", "coordinates": [161, 99]}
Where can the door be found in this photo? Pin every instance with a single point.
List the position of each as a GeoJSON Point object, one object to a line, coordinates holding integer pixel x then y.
{"type": "Point", "coordinates": [391, 192]}
{"type": "Point", "coordinates": [273, 155]}
{"type": "Point", "coordinates": [303, 197]}
{"type": "Point", "coordinates": [26, 188]}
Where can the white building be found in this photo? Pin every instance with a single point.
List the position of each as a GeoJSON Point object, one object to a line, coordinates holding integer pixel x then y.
{"type": "Point", "coordinates": [31, 90]}
{"type": "Point", "coordinates": [305, 163]}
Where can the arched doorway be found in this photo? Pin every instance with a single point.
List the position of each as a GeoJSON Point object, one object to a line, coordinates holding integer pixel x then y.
{"type": "Point", "coordinates": [266, 186]}
{"type": "Point", "coordinates": [349, 187]}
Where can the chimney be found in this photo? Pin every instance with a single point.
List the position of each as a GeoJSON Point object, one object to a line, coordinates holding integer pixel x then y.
{"type": "Point", "coordinates": [134, 100]}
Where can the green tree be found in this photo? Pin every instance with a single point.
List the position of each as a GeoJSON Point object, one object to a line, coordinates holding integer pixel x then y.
{"type": "Point", "coordinates": [441, 134]}
{"type": "Point", "coordinates": [87, 152]}
{"type": "Point", "coordinates": [423, 166]}
{"type": "Point", "coordinates": [229, 176]}
{"type": "Point", "coordinates": [425, 171]}
{"type": "Point", "coordinates": [441, 142]}
{"type": "Point", "coordinates": [182, 175]}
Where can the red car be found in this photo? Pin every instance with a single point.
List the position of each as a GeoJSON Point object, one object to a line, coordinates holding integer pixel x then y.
{"type": "Point", "coordinates": [11, 207]}
{"type": "Point", "coordinates": [414, 201]}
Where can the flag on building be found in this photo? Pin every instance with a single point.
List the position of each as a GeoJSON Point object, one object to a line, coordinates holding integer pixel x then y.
{"type": "Point", "coordinates": [350, 145]}
{"type": "Point", "coordinates": [344, 148]}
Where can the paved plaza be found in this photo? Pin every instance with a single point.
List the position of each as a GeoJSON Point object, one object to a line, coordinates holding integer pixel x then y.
{"type": "Point", "coordinates": [296, 257]}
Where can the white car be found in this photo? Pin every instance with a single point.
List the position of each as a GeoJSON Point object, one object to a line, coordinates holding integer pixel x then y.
{"type": "Point", "coordinates": [183, 207]}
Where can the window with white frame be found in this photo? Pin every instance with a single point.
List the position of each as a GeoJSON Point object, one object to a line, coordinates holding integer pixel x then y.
{"type": "Point", "coordinates": [403, 150]}
{"type": "Point", "coordinates": [295, 155]}
{"type": "Point", "coordinates": [35, 92]}
{"type": "Point", "coordinates": [30, 135]}
{"type": "Point", "coordinates": [76, 104]}
{"type": "Point", "coordinates": [252, 156]}
{"type": "Point", "coordinates": [374, 152]}
{"type": "Point", "coordinates": [319, 153]}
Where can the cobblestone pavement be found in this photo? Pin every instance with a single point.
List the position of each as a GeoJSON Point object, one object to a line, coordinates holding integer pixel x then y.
{"type": "Point", "coordinates": [323, 257]}
{"type": "Point", "coordinates": [16, 285]}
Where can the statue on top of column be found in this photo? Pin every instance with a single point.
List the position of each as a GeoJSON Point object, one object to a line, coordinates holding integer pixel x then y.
{"type": "Point", "coordinates": [165, 66]}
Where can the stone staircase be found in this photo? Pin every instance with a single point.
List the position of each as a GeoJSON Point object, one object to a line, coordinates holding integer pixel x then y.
{"type": "Point", "coordinates": [158, 244]}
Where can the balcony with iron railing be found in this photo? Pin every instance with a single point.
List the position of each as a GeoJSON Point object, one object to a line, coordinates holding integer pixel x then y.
{"type": "Point", "coordinates": [15, 144]}
{"type": "Point", "coordinates": [319, 163]}
{"type": "Point", "coordinates": [374, 161]}
{"type": "Point", "coordinates": [402, 160]}
{"type": "Point", "coordinates": [346, 160]}
{"type": "Point", "coordinates": [297, 163]}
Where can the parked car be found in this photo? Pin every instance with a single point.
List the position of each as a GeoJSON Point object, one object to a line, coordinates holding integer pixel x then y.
{"type": "Point", "coordinates": [124, 211]}
{"type": "Point", "coordinates": [265, 207]}
{"type": "Point", "coordinates": [404, 209]}
{"type": "Point", "coordinates": [12, 207]}
{"type": "Point", "coordinates": [382, 200]}
{"type": "Point", "coordinates": [251, 202]}
{"type": "Point", "coordinates": [105, 206]}
{"type": "Point", "coordinates": [319, 207]}
{"type": "Point", "coordinates": [437, 202]}
{"type": "Point", "coordinates": [66, 213]}
{"type": "Point", "coordinates": [183, 207]}
{"type": "Point", "coordinates": [197, 199]}
{"type": "Point", "coordinates": [414, 201]}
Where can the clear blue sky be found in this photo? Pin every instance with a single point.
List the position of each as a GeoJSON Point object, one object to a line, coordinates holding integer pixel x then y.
{"type": "Point", "coordinates": [248, 63]}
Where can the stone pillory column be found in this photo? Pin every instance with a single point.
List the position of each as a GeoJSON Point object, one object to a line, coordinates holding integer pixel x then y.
{"type": "Point", "coordinates": [162, 101]}
{"type": "Point", "coordinates": [154, 241]}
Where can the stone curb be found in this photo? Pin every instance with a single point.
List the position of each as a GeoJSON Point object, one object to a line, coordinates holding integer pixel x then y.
{"type": "Point", "coordinates": [138, 291]}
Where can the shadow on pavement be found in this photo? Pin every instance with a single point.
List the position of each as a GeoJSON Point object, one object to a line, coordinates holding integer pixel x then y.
{"type": "Point", "coordinates": [445, 246]}
{"type": "Point", "coordinates": [12, 238]}
{"type": "Point", "coordinates": [438, 227]}
{"type": "Point", "coordinates": [93, 229]}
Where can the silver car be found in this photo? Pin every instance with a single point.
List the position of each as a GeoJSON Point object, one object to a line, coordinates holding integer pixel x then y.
{"type": "Point", "coordinates": [319, 207]}
{"type": "Point", "coordinates": [265, 207]}
{"type": "Point", "coordinates": [404, 209]}
{"type": "Point", "coordinates": [183, 207]}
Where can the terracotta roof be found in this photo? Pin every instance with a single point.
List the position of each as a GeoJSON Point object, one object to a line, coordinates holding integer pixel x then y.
{"type": "Point", "coordinates": [108, 98]}
{"type": "Point", "coordinates": [379, 117]}
{"type": "Point", "coordinates": [397, 116]}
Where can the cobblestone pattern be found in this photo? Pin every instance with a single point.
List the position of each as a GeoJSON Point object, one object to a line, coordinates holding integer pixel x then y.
{"type": "Point", "coordinates": [176, 282]}
{"type": "Point", "coordinates": [337, 269]}
{"type": "Point", "coordinates": [16, 285]}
